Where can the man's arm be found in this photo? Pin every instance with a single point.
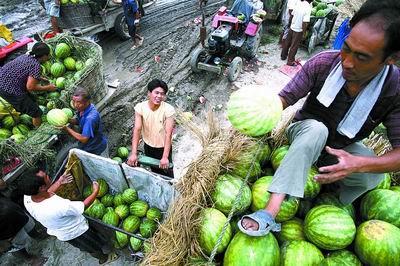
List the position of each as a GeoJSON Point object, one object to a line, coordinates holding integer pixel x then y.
{"type": "Point", "coordinates": [137, 129]}
{"type": "Point", "coordinates": [169, 126]}
{"type": "Point", "coordinates": [34, 85]}
{"type": "Point", "coordinates": [64, 179]}
{"type": "Point", "coordinates": [305, 27]}
{"type": "Point", "coordinates": [89, 200]}
{"type": "Point", "coordinates": [76, 135]}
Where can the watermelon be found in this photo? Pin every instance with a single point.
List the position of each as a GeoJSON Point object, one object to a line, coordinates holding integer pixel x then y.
{"type": "Point", "coordinates": [108, 200]}
{"type": "Point", "coordinates": [129, 195]}
{"type": "Point", "coordinates": [226, 189]}
{"type": "Point", "coordinates": [88, 210]}
{"type": "Point", "coordinates": [26, 120]}
{"type": "Point", "coordinates": [212, 222]}
{"type": "Point", "coordinates": [264, 153]}
{"type": "Point", "coordinates": [62, 50]}
{"type": "Point", "coordinates": [68, 112]}
{"type": "Point", "coordinates": [54, 95]}
{"type": "Point", "coordinates": [300, 252]}
{"type": "Point", "coordinates": [98, 210]}
{"type": "Point", "coordinates": [122, 239]}
{"type": "Point", "coordinates": [136, 243]}
{"type": "Point", "coordinates": [254, 111]}
{"type": "Point", "coordinates": [60, 82]}
{"type": "Point", "coordinates": [118, 200]}
{"type": "Point", "coordinates": [304, 207]}
{"type": "Point", "coordinates": [57, 69]}
{"type": "Point", "coordinates": [395, 188]}
{"type": "Point", "coordinates": [18, 138]}
{"type": "Point", "coordinates": [291, 230]}
{"type": "Point", "coordinates": [110, 217]}
{"type": "Point", "coordinates": [103, 187]}
{"type": "Point", "coordinates": [51, 105]}
{"type": "Point", "coordinates": [139, 208]}
{"type": "Point", "coordinates": [243, 165]}
{"type": "Point", "coordinates": [69, 63]}
{"type": "Point", "coordinates": [79, 65]}
{"type": "Point", "coordinates": [147, 228]}
{"type": "Point", "coordinates": [154, 214]}
{"type": "Point", "coordinates": [56, 117]}
{"type": "Point", "coordinates": [321, 6]}
{"type": "Point", "coordinates": [288, 209]}
{"type": "Point", "coordinates": [278, 155]}
{"type": "Point", "coordinates": [5, 133]}
{"type": "Point", "coordinates": [321, 13]}
{"type": "Point", "coordinates": [122, 211]}
{"type": "Point", "coordinates": [117, 159]}
{"type": "Point", "coordinates": [381, 204]}
{"type": "Point", "coordinates": [331, 199]}
{"type": "Point", "coordinates": [252, 251]}
{"type": "Point", "coordinates": [385, 183]}
{"type": "Point", "coordinates": [87, 191]}
{"type": "Point", "coordinates": [20, 129]}
{"type": "Point", "coordinates": [329, 227]}
{"type": "Point", "coordinates": [131, 223]}
{"type": "Point", "coordinates": [47, 66]}
{"type": "Point", "coordinates": [341, 258]}
{"type": "Point", "coordinates": [378, 243]}
{"type": "Point", "coordinates": [123, 152]}
{"type": "Point", "coordinates": [312, 187]}
{"type": "Point", "coordinates": [9, 121]}
{"type": "Point", "coordinates": [41, 100]}
{"type": "Point", "coordinates": [146, 247]}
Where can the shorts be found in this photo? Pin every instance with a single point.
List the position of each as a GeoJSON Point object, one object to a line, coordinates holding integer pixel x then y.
{"type": "Point", "coordinates": [23, 104]}
{"type": "Point", "coordinates": [51, 8]}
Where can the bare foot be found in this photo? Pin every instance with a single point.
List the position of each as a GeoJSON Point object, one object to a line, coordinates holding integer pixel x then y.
{"type": "Point", "coordinates": [249, 224]}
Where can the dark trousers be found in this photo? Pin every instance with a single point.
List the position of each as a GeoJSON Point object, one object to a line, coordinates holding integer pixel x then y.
{"type": "Point", "coordinates": [91, 243]}
{"type": "Point", "coordinates": [291, 45]}
{"type": "Point", "coordinates": [157, 153]}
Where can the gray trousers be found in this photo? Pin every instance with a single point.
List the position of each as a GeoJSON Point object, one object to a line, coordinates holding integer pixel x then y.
{"type": "Point", "coordinates": [308, 139]}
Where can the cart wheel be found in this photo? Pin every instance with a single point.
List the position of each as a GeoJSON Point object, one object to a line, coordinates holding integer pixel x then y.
{"type": "Point", "coordinates": [250, 46]}
{"type": "Point", "coordinates": [234, 68]}
{"type": "Point", "coordinates": [121, 28]}
{"type": "Point", "coordinates": [198, 55]}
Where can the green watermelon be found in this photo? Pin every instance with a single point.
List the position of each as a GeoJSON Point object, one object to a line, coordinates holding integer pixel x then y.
{"type": "Point", "coordinates": [226, 189]}
{"type": "Point", "coordinates": [69, 63]}
{"type": "Point", "coordinates": [131, 223]}
{"type": "Point", "coordinates": [395, 188]}
{"type": "Point", "coordinates": [378, 243]}
{"type": "Point", "coordinates": [68, 112]}
{"type": "Point", "coordinates": [62, 50]}
{"type": "Point", "coordinates": [244, 162]}
{"type": "Point", "coordinates": [20, 129]}
{"type": "Point", "coordinates": [147, 228]}
{"type": "Point", "coordinates": [321, 13]}
{"type": "Point", "coordinates": [117, 159]}
{"type": "Point", "coordinates": [47, 66]}
{"type": "Point", "coordinates": [87, 191]}
{"type": "Point", "coordinates": [54, 95]}
{"type": "Point", "coordinates": [57, 69]}
{"type": "Point", "coordinates": [136, 243]}
{"type": "Point", "coordinates": [146, 247]}
{"type": "Point", "coordinates": [312, 187]}
{"type": "Point", "coordinates": [123, 152]}
{"type": "Point", "coordinates": [254, 111]}
{"type": "Point", "coordinates": [41, 100]}
{"type": "Point", "coordinates": [154, 214]}
{"type": "Point", "coordinates": [118, 200]}
{"type": "Point", "coordinates": [385, 183]}
{"type": "Point", "coordinates": [341, 258]}
{"type": "Point", "coordinates": [139, 208]}
{"type": "Point", "coordinates": [103, 187]}
{"type": "Point", "coordinates": [56, 117]}
{"type": "Point", "coordinates": [26, 120]}
{"type": "Point", "coordinates": [122, 211]}
{"type": "Point", "coordinates": [43, 70]}
{"type": "Point", "coordinates": [51, 105]}
{"type": "Point", "coordinates": [300, 252]}
{"type": "Point", "coordinates": [60, 82]}
{"type": "Point", "coordinates": [5, 133]}
{"type": "Point", "coordinates": [122, 239]}
{"type": "Point", "coordinates": [79, 65]}
{"type": "Point", "coordinates": [108, 200]}
{"type": "Point", "coordinates": [329, 227]}
{"type": "Point", "coordinates": [291, 230]}
{"type": "Point", "coordinates": [264, 153]}
{"type": "Point", "coordinates": [321, 6]}
{"type": "Point", "coordinates": [331, 199]}
{"type": "Point", "coordinates": [110, 217]}
{"type": "Point", "coordinates": [381, 204]}
{"type": "Point", "coordinates": [88, 210]}
{"type": "Point", "coordinates": [304, 207]}
{"type": "Point", "coordinates": [9, 121]}
{"type": "Point", "coordinates": [98, 210]}
{"type": "Point", "coordinates": [129, 195]}
{"type": "Point", "coordinates": [252, 251]}
{"type": "Point", "coordinates": [288, 209]}
{"type": "Point", "coordinates": [18, 138]}
{"type": "Point", "coordinates": [211, 223]}
{"type": "Point", "coordinates": [278, 155]}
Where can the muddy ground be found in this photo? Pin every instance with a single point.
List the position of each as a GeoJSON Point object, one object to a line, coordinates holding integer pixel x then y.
{"type": "Point", "coordinates": [171, 34]}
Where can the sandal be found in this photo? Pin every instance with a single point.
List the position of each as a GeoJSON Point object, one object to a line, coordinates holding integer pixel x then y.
{"type": "Point", "coordinates": [265, 222]}
{"type": "Point", "coordinates": [111, 257]}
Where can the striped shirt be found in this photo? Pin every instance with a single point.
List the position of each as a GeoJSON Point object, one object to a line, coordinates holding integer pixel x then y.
{"type": "Point", "coordinates": [310, 80]}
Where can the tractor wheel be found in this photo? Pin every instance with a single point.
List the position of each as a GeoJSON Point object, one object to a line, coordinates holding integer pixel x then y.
{"type": "Point", "coordinates": [234, 68]}
{"type": "Point", "coordinates": [250, 46]}
{"type": "Point", "coordinates": [121, 28]}
{"type": "Point", "coordinates": [198, 55]}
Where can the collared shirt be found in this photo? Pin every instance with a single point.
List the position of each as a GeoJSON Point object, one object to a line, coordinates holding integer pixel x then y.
{"type": "Point", "coordinates": [311, 78]}
{"type": "Point", "coordinates": [92, 128]}
{"type": "Point", "coordinates": [14, 75]}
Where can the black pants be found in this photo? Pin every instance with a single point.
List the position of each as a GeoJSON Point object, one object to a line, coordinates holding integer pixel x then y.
{"type": "Point", "coordinates": [23, 103]}
{"type": "Point", "coordinates": [157, 153]}
{"type": "Point", "coordinates": [91, 243]}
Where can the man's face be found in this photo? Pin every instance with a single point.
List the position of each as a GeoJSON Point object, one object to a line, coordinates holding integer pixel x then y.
{"type": "Point", "coordinates": [80, 104]}
{"type": "Point", "coordinates": [362, 53]}
{"type": "Point", "coordinates": [46, 179]}
{"type": "Point", "coordinates": [157, 96]}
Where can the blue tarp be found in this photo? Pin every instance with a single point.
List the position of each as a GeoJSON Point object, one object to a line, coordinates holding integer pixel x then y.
{"type": "Point", "coordinates": [342, 34]}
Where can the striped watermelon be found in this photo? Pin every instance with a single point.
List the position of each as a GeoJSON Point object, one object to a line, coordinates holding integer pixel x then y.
{"type": "Point", "coordinates": [245, 160]}
{"type": "Point", "coordinates": [60, 82]}
{"type": "Point", "coordinates": [211, 223]}
{"type": "Point", "coordinates": [154, 214]}
{"type": "Point", "coordinates": [62, 50]}
{"type": "Point", "coordinates": [300, 252]}
{"type": "Point", "coordinates": [69, 63]}
{"type": "Point", "coordinates": [121, 239]}
{"type": "Point", "coordinates": [18, 138]}
{"type": "Point", "coordinates": [329, 227]}
{"type": "Point", "coordinates": [9, 121]}
{"type": "Point", "coordinates": [304, 207]}
{"type": "Point", "coordinates": [122, 211]}
{"type": "Point", "coordinates": [108, 200]}
{"type": "Point", "coordinates": [139, 208]}
{"type": "Point", "coordinates": [68, 112]}
{"type": "Point", "coordinates": [98, 210]}
{"type": "Point", "coordinates": [57, 69]}
{"type": "Point", "coordinates": [136, 243]}
{"type": "Point", "coordinates": [129, 195]}
{"type": "Point", "coordinates": [79, 65]}
{"type": "Point", "coordinates": [131, 223]}
{"type": "Point", "coordinates": [226, 189]}
{"type": "Point", "coordinates": [5, 133]}
{"type": "Point", "coordinates": [291, 230]}
{"type": "Point", "coordinates": [385, 183]}
{"type": "Point", "coordinates": [377, 243]}
{"type": "Point", "coordinates": [123, 152]}
{"type": "Point", "coordinates": [264, 154]}
{"type": "Point", "coordinates": [56, 117]}
{"type": "Point", "coordinates": [147, 228]}
{"type": "Point", "coordinates": [110, 217]}
{"type": "Point", "coordinates": [381, 204]}
{"type": "Point", "coordinates": [288, 209]}
{"type": "Point", "coordinates": [20, 129]}
{"type": "Point", "coordinates": [26, 120]}
{"type": "Point", "coordinates": [103, 187]}
{"type": "Point", "coordinates": [331, 199]}
{"type": "Point", "coordinates": [312, 187]}
{"type": "Point", "coordinates": [341, 258]}
{"type": "Point", "coordinates": [252, 251]}
{"type": "Point", "coordinates": [118, 200]}
{"type": "Point", "coordinates": [278, 155]}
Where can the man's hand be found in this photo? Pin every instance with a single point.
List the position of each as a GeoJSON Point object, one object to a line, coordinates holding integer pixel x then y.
{"type": "Point", "coordinates": [133, 160]}
{"type": "Point", "coordinates": [66, 178]}
{"type": "Point", "coordinates": [95, 187]}
{"type": "Point", "coordinates": [64, 127]}
{"type": "Point", "coordinates": [51, 87]}
{"type": "Point", "coordinates": [164, 163]}
{"type": "Point", "coordinates": [347, 164]}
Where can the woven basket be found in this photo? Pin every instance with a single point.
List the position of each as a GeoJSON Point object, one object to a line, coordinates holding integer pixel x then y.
{"type": "Point", "coordinates": [75, 16]}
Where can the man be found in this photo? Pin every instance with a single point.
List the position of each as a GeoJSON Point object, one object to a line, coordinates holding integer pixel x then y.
{"type": "Point", "coordinates": [287, 20]}
{"type": "Point", "coordinates": [131, 12]}
{"type": "Point", "coordinates": [53, 10]}
{"type": "Point", "coordinates": [63, 218]}
{"type": "Point", "coordinates": [21, 76]}
{"type": "Point", "coordinates": [350, 93]}
{"type": "Point", "coordinates": [154, 119]}
{"type": "Point", "coordinates": [301, 17]}
{"type": "Point", "coordinates": [91, 138]}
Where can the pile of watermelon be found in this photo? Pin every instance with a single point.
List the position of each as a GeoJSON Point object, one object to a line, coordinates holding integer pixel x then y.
{"type": "Point", "coordinates": [121, 154]}
{"type": "Point", "coordinates": [73, 2]}
{"type": "Point", "coordinates": [316, 230]}
{"type": "Point", "coordinates": [322, 8]}
{"type": "Point", "coordinates": [126, 211]}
